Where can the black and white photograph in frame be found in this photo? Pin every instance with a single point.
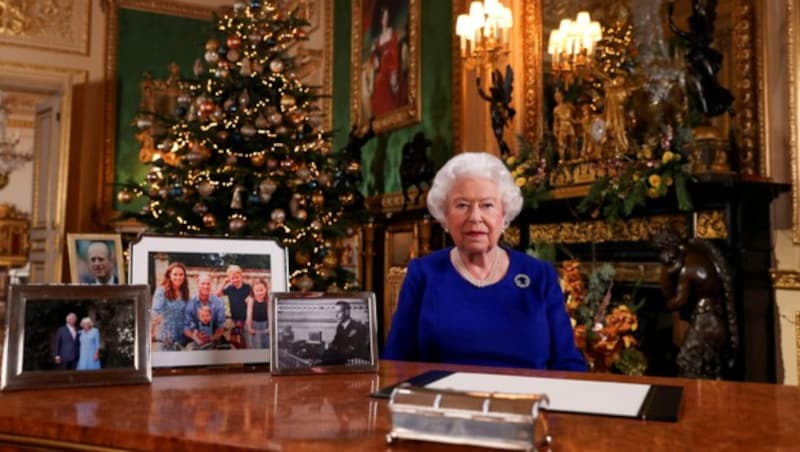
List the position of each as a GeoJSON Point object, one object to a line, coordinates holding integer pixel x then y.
{"type": "Point", "coordinates": [75, 335]}
{"type": "Point", "coordinates": [210, 297]}
{"type": "Point", "coordinates": [317, 332]}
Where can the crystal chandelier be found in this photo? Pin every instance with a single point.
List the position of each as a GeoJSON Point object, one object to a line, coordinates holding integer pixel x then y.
{"type": "Point", "coordinates": [10, 157]}
{"type": "Point", "coordinates": [484, 33]}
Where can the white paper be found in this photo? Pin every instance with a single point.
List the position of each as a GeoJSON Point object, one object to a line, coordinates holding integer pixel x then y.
{"type": "Point", "coordinates": [575, 396]}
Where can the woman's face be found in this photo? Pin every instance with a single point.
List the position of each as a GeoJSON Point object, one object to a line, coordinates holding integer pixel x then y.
{"type": "Point", "coordinates": [385, 18]}
{"type": "Point", "coordinates": [86, 326]}
{"type": "Point", "coordinates": [176, 277]}
{"type": "Point", "coordinates": [260, 291]}
{"type": "Point", "coordinates": [474, 214]}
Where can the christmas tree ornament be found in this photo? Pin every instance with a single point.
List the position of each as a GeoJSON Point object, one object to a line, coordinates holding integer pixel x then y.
{"type": "Point", "coordinates": [347, 198]}
{"type": "Point", "coordinates": [153, 176]}
{"type": "Point", "coordinates": [245, 67]}
{"type": "Point", "coordinates": [205, 188]}
{"type": "Point", "coordinates": [176, 191]}
{"type": "Point", "coordinates": [248, 130]}
{"type": "Point", "coordinates": [198, 68]}
{"type": "Point", "coordinates": [236, 224]}
{"type": "Point", "coordinates": [330, 261]}
{"type": "Point", "coordinates": [233, 55]}
{"type": "Point", "coordinates": [276, 66]}
{"type": "Point", "coordinates": [315, 225]}
{"type": "Point", "coordinates": [305, 283]}
{"type": "Point", "coordinates": [282, 131]}
{"type": "Point", "coordinates": [296, 117]}
{"type": "Point", "coordinates": [210, 221]}
{"type": "Point", "coordinates": [253, 198]}
{"type": "Point", "coordinates": [267, 187]}
{"type": "Point", "coordinates": [301, 257]}
{"type": "Point", "coordinates": [278, 216]}
{"type": "Point", "coordinates": [234, 42]}
{"type": "Point", "coordinates": [301, 214]}
{"type": "Point", "coordinates": [199, 208]}
{"type": "Point", "coordinates": [257, 160]}
{"type": "Point", "coordinates": [236, 198]}
{"type": "Point", "coordinates": [212, 45]}
{"type": "Point", "coordinates": [163, 192]}
{"type": "Point", "coordinates": [272, 163]}
{"type": "Point", "coordinates": [231, 160]}
{"type": "Point", "coordinates": [244, 99]}
{"type": "Point", "coordinates": [287, 100]}
{"type": "Point", "coordinates": [325, 272]}
{"type": "Point", "coordinates": [124, 196]}
{"type": "Point", "coordinates": [258, 67]}
{"type": "Point", "coordinates": [255, 4]}
{"type": "Point", "coordinates": [254, 38]}
{"type": "Point", "coordinates": [318, 198]}
{"type": "Point", "coordinates": [275, 119]}
{"type": "Point", "coordinates": [211, 57]}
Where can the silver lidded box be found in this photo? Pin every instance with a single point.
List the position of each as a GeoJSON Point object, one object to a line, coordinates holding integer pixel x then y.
{"type": "Point", "coordinates": [503, 421]}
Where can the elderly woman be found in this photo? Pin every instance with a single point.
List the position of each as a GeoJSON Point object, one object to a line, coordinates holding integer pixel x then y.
{"type": "Point", "coordinates": [89, 340]}
{"type": "Point", "coordinates": [478, 303]}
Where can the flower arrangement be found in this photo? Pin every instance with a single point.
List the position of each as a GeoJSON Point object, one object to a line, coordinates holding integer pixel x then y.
{"type": "Point", "coordinates": [604, 329]}
{"type": "Point", "coordinates": [615, 197]}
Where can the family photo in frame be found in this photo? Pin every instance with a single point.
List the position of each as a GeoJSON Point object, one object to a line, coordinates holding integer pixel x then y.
{"type": "Point", "coordinates": [314, 332]}
{"type": "Point", "coordinates": [95, 258]}
{"type": "Point", "coordinates": [385, 63]}
{"type": "Point", "coordinates": [75, 335]}
{"type": "Point", "coordinates": [210, 299]}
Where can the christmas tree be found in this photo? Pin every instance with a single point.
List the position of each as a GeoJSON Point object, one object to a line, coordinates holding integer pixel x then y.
{"type": "Point", "coordinates": [245, 155]}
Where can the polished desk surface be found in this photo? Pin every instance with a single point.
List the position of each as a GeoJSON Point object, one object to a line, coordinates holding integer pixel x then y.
{"type": "Point", "coordinates": [236, 411]}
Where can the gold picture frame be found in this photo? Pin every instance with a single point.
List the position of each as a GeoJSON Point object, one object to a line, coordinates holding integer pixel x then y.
{"type": "Point", "coordinates": [82, 269]}
{"type": "Point", "coordinates": [319, 332]}
{"type": "Point", "coordinates": [385, 80]}
{"type": "Point", "coordinates": [36, 321]}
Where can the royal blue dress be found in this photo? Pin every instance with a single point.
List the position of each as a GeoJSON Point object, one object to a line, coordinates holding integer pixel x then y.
{"type": "Point", "coordinates": [520, 321]}
{"type": "Point", "coordinates": [89, 344]}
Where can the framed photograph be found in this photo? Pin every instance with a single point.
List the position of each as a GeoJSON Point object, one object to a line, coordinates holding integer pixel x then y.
{"type": "Point", "coordinates": [95, 258]}
{"type": "Point", "coordinates": [318, 332]}
{"type": "Point", "coordinates": [210, 297]}
{"type": "Point", "coordinates": [75, 335]}
{"type": "Point", "coordinates": [385, 80]}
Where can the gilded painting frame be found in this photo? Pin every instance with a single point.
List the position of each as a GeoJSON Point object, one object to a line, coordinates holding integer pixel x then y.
{"type": "Point", "coordinates": [337, 332]}
{"type": "Point", "coordinates": [397, 103]}
{"type": "Point", "coordinates": [747, 39]}
{"type": "Point", "coordinates": [793, 50]}
{"type": "Point", "coordinates": [118, 312]}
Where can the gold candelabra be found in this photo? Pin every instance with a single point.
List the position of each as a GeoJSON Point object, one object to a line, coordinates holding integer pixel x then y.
{"type": "Point", "coordinates": [484, 33]}
{"type": "Point", "coordinates": [571, 47]}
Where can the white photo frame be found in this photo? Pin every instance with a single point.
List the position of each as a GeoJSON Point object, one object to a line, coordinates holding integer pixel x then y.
{"type": "Point", "coordinates": [150, 258]}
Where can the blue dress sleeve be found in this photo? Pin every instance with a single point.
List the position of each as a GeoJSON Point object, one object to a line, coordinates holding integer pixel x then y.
{"type": "Point", "coordinates": [564, 355]}
{"type": "Point", "coordinates": [402, 341]}
{"type": "Point", "coordinates": [159, 301]}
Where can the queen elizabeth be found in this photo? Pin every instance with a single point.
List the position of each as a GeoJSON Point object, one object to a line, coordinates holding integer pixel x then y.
{"type": "Point", "coordinates": [477, 302]}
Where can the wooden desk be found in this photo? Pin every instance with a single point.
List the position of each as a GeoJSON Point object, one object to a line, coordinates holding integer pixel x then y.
{"type": "Point", "coordinates": [333, 412]}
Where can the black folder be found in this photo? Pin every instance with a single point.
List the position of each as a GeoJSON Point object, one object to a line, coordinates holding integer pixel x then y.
{"type": "Point", "coordinates": [662, 402]}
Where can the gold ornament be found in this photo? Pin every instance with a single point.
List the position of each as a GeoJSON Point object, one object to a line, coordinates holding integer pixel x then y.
{"type": "Point", "coordinates": [234, 41]}
{"type": "Point", "coordinates": [276, 66]}
{"type": "Point", "coordinates": [330, 261]}
{"type": "Point", "coordinates": [236, 199]}
{"type": "Point", "coordinates": [210, 221]}
{"type": "Point", "coordinates": [212, 45]}
{"type": "Point", "coordinates": [305, 283]}
{"type": "Point", "coordinates": [301, 214]}
{"type": "Point", "coordinates": [236, 224]}
{"type": "Point", "coordinates": [205, 188]}
{"type": "Point", "coordinates": [288, 101]}
{"type": "Point", "coordinates": [124, 196]}
{"type": "Point", "coordinates": [318, 198]}
{"type": "Point", "coordinates": [301, 257]}
{"type": "Point", "coordinates": [258, 160]}
{"type": "Point", "coordinates": [347, 198]}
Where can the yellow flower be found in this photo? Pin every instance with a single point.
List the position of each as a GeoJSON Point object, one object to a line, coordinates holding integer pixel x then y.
{"type": "Point", "coordinates": [511, 161]}
{"type": "Point", "coordinates": [668, 155]}
{"type": "Point", "coordinates": [652, 192]}
{"type": "Point", "coordinates": [520, 181]}
{"type": "Point", "coordinates": [636, 177]}
{"type": "Point", "coordinates": [647, 152]}
{"type": "Point", "coordinates": [654, 180]}
{"type": "Point", "coordinates": [668, 180]}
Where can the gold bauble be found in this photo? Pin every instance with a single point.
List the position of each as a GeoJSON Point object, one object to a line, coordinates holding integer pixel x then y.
{"type": "Point", "coordinates": [288, 101]}
{"type": "Point", "coordinates": [301, 257]}
{"type": "Point", "coordinates": [347, 198]}
{"type": "Point", "coordinates": [258, 160]}
{"type": "Point", "coordinates": [330, 261]}
{"type": "Point", "coordinates": [124, 196]}
{"type": "Point", "coordinates": [205, 188]}
{"type": "Point", "coordinates": [304, 283]}
{"type": "Point", "coordinates": [212, 45]}
{"type": "Point", "coordinates": [301, 214]}
{"type": "Point", "coordinates": [318, 198]}
{"type": "Point", "coordinates": [236, 224]}
{"type": "Point", "coordinates": [325, 272]}
{"type": "Point", "coordinates": [210, 221]}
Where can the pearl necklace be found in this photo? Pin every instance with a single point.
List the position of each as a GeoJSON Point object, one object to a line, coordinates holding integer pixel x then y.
{"type": "Point", "coordinates": [455, 257]}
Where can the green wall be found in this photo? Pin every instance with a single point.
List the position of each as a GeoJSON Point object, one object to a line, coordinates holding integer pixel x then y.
{"type": "Point", "coordinates": [381, 156]}
{"type": "Point", "coordinates": [148, 42]}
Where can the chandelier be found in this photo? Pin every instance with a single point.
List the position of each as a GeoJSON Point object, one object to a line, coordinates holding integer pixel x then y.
{"type": "Point", "coordinates": [571, 46]}
{"type": "Point", "coordinates": [484, 33]}
{"type": "Point", "coordinates": [10, 157]}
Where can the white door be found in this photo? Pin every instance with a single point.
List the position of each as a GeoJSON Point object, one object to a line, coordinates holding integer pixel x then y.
{"type": "Point", "coordinates": [49, 194]}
